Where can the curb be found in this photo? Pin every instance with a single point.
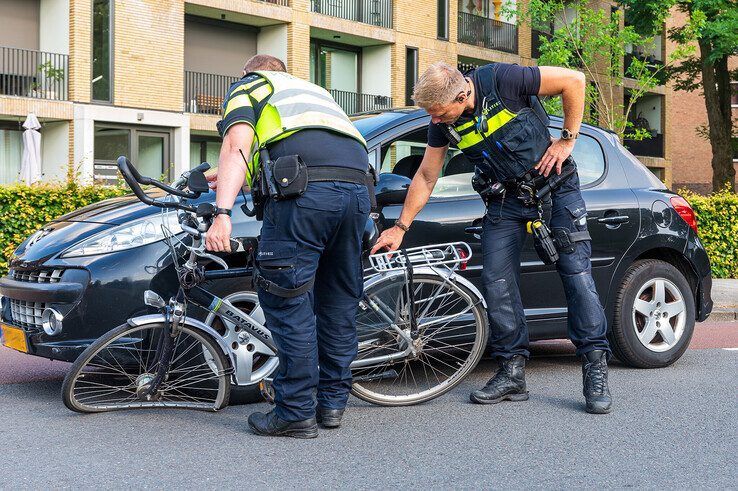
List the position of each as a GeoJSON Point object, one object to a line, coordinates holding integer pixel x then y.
{"type": "Point", "coordinates": [722, 315]}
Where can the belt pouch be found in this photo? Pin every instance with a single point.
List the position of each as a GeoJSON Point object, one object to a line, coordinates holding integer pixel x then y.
{"type": "Point", "coordinates": [290, 176]}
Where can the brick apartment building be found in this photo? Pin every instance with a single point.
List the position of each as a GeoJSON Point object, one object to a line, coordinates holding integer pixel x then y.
{"type": "Point", "coordinates": [146, 78]}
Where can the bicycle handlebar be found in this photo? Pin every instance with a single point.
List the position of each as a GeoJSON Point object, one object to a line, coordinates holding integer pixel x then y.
{"type": "Point", "coordinates": [134, 180]}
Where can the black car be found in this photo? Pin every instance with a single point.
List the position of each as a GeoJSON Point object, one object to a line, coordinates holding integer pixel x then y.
{"type": "Point", "coordinates": [85, 273]}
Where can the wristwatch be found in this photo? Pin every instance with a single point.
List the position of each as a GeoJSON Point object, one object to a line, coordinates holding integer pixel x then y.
{"type": "Point", "coordinates": [568, 135]}
{"type": "Point", "coordinates": [222, 211]}
{"type": "Point", "coordinates": [401, 226]}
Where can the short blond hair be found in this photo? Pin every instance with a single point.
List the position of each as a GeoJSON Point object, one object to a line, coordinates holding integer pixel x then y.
{"type": "Point", "coordinates": [439, 84]}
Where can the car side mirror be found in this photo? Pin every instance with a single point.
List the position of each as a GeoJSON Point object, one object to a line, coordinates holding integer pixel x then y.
{"type": "Point", "coordinates": [197, 182]}
{"type": "Point", "coordinates": [391, 189]}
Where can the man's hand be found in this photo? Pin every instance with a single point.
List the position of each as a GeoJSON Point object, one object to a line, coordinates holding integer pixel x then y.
{"type": "Point", "coordinates": [212, 180]}
{"type": "Point", "coordinates": [557, 152]}
{"type": "Point", "coordinates": [389, 240]}
{"type": "Point", "coordinates": [218, 238]}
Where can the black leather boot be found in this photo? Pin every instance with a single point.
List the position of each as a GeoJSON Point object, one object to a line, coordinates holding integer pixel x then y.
{"type": "Point", "coordinates": [508, 384]}
{"type": "Point", "coordinates": [594, 378]}
{"type": "Point", "coordinates": [270, 424]}
{"type": "Point", "coordinates": [329, 418]}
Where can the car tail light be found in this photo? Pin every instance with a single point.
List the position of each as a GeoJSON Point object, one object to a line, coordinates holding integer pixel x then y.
{"type": "Point", "coordinates": [462, 255]}
{"type": "Point", "coordinates": [681, 206]}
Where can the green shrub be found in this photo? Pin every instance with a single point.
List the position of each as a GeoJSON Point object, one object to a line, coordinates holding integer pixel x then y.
{"type": "Point", "coordinates": [25, 209]}
{"type": "Point", "coordinates": [717, 220]}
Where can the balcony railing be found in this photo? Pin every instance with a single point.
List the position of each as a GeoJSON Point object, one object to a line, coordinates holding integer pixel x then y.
{"type": "Point", "coordinates": [353, 103]}
{"type": "Point", "coordinates": [204, 92]}
{"type": "Point", "coordinates": [536, 41]}
{"type": "Point", "coordinates": [487, 33]}
{"type": "Point", "coordinates": [374, 12]}
{"type": "Point", "coordinates": [31, 73]}
{"type": "Point", "coordinates": [650, 147]}
{"type": "Point", "coordinates": [285, 3]}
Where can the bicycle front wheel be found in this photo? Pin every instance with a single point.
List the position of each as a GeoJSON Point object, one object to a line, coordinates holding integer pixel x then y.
{"type": "Point", "coordinates": [117, 372]}
{"type": "Point", "coordinates": [392, 370]}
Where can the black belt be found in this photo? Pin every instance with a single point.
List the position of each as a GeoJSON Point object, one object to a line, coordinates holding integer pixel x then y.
{"type": "Point", "coordinates": [341, 174]}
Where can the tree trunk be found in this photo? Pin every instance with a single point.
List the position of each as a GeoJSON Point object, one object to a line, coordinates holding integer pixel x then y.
{"type": "Point", "coordinates": [716, 86]}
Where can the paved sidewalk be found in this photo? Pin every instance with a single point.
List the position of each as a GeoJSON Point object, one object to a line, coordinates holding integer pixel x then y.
{"type": "Point", "coordinates": [725, 298]}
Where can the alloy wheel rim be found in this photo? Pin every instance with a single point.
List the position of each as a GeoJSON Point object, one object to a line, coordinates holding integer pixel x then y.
{"type": "Point", "coordinates": [659, 315]}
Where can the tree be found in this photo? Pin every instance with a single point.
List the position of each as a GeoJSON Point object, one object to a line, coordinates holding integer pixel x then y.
{"type": "Point", "coordinates": [712, 26]}
{"type": "Point", "coordinates": [593, 38]}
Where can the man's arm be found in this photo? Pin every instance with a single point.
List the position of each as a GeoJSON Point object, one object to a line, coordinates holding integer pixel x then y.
{"type": "Point", "coordinates": [570, 84]}
{"type": "Point", "coordinates": [231, 175]}
{"type": "Point", "coordinates": [417, 196]}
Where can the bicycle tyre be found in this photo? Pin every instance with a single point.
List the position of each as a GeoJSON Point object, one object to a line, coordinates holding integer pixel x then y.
{"type": "Point", "coordinates": [480, 333]}
{"type": "Point", "coordinates": [70, 386]}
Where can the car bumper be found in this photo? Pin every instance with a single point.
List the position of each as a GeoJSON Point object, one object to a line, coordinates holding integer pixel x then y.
{"type": "Point", "coordinates": [700, 262]}
{"type": "Point", "coordinates": [94, 294]}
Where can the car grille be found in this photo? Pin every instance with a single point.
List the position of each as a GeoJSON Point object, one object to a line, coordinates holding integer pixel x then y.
{"type": "Point", "coordinates": [26, 314]}
{"type": "Point", "coordinates": [38, 275]}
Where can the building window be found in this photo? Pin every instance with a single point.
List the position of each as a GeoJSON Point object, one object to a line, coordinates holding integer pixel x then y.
{"type": "Point", "coordinates": [101, 49]}
{"type": "Point", "coordinates": [147, 149]}
{"type": "Point", "coordinates": [204, 149]}
{"type": "Point", "coordinates": [411, 74]}
{"type": "Point", "coordinates": [734, 141]}
{"type": "Point", "coordinates": [734, 94]}
{"type": "Point", "coordinates": [336, 68]}
{"type": "Point", "coordinates": [11, 152]}
{"type": "Point", "coordinates": [443, 19]}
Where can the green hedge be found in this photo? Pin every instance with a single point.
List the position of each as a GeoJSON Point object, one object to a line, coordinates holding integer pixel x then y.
{"type": "Point", "coordinates": [25, 209]}
{"type": "Point", "coordinates": [717, 221]}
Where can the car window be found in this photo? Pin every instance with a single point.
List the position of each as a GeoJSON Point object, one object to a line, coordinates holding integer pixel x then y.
{"type": "Point", "coordinates": [403, 156]}
{"type": "Point", "coordinates": [588, 155]}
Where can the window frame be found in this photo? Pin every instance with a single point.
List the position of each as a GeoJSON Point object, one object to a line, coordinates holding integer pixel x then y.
{"type": "Point", "coordinates": [111, 54]}
{"type": "Point", "coordinates": [409, 86]}
{"type": "Point", "coordinates": [134, 131]}
{"type": "Point", "coordinates": [443, 36]}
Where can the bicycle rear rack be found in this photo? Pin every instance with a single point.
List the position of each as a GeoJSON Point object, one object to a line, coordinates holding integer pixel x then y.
{"type": "Point", "coordinates": [450, 255]}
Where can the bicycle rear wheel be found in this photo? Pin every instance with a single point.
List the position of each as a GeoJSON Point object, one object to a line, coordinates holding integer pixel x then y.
{"type": "Point", "coordinates": [116, 372]}
{"type": "Point", "coordinates": [453, 334]}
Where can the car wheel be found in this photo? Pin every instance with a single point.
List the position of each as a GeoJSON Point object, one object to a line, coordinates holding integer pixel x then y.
{"type": "Point", "coordinates": [248, 354]}
{"type": "Point", "coordinates": [654, 315]}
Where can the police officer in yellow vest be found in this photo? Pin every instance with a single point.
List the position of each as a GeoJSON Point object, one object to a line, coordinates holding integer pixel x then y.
{"type": "Point", "coordinates": [493, 116]}
{"type": "Point", "coordinates": [309, 275]}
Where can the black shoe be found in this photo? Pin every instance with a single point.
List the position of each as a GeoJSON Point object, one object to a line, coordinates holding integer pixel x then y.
{"type": "Point", "coordinates": [329, 418]}
{"type": "Point", "coordinates": [508, 384]}
{"type": "Point", "coordinates": [594, 377]}
{"type": "Point", "coordinates": [270, 424]}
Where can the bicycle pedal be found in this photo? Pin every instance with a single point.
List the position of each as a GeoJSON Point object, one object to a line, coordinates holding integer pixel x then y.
{"type": "Point", "coordinates": [267, 391]}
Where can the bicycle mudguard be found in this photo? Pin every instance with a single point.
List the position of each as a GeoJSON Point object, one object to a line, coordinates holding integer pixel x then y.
{"type": "Point", "coordinates": [190, 322]}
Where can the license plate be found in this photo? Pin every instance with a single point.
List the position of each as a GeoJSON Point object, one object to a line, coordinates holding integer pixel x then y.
{"type": "Point", "coordinates": [14, 338]}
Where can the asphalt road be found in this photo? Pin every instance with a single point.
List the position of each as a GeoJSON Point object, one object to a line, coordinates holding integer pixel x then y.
{"type": "Point", "coordinates": [675, 427]}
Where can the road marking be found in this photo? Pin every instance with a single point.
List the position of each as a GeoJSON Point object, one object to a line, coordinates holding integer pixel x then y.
{"type": "Point", "coordinates": [730, 349]}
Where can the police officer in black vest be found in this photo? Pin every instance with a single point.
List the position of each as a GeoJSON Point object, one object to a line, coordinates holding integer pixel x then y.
{"type": "Point", "coordinates": [493, 115]}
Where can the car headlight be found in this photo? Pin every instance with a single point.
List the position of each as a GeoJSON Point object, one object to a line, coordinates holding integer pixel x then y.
{"type": "Point", "coordinates": [135, 234]}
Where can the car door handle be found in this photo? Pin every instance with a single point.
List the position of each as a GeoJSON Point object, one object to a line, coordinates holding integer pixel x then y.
{"type": "Point", "coordinates": [614, 220]}
{"type": "Point", "coordinates": [473, 230]}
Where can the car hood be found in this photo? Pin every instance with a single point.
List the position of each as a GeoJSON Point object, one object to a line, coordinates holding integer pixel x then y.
{"type": "Point", "coordinates": [113, 211]}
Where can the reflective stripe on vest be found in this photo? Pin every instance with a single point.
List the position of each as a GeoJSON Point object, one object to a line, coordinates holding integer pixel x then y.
{"type": "Point", "coordinates": [296, 105]}
{"type": "Point", "coordinates": [494, 123]}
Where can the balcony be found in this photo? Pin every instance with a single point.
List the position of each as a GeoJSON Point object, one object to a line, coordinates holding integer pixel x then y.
{"type": "Point", "coordinates": [374, 12]}
{"type": "Point", "coordinates": [284, 3]}
{"type": "Point", "coordinates": [652, 64]}
{"type": "Point", "coordinates": [204, 92]}
{"type": "Point", "coordinates": [487, 33]}
{"type": "Point", "coordinates": [650, 147]}
{"type": "Point", "coordinates": [353, 102]}
{"type": "Point", "coordinates": [35, 74]}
